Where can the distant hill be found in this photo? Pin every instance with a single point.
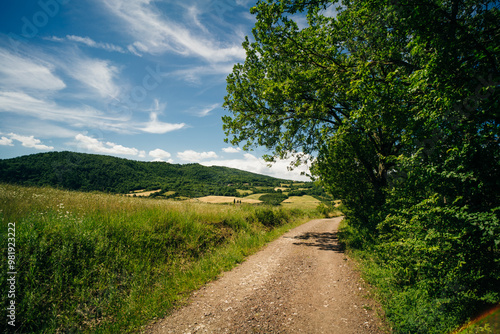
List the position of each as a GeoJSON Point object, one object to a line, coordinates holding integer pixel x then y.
{"type": "Point", "coordinates": [91, 172]}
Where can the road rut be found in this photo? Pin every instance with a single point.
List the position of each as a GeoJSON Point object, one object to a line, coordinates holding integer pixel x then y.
{"type": "Point", "coordinates": [300, 283]}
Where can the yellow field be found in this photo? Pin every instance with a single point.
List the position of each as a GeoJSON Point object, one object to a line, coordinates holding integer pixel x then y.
{"type": "Point", "coordinates": [138, 193]}
{"type": "Point", "coordinates": [298, 202]}
{"type": "Point", "coordinates": [224, 199]}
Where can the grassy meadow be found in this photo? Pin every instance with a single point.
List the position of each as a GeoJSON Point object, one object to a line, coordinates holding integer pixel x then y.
{"type": "Point", "coordinates": [92, 262]}
{"type": "Point", "coordinates": [225, 200]}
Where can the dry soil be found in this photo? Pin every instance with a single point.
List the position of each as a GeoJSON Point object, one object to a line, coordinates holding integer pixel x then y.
{"type": "Point", "coordinates": [300, 283]}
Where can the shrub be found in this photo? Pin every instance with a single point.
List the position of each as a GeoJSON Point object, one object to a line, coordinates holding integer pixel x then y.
{"type": "Point", "coordinates": [273, 199]}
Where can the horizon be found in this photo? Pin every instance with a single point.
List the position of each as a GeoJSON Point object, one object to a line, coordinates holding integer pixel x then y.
{"type": "Point", "coordinates": [139, 80]}
{"type": "Point", "coordinates": [156, 161]}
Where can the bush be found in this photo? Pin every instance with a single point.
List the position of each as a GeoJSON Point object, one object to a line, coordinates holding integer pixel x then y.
{"type": "Point", "coordinates": [272, 218]}
{"type": "Point", "coordinates": [273, 199]}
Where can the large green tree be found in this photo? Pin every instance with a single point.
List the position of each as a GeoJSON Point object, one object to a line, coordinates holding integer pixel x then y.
{"type": "Point", "coordinates": [362, 85]}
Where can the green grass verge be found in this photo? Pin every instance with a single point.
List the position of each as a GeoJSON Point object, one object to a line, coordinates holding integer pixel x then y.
{"type": "Point", "coordinates": [101, 263]}
{"type": "Point", "coordinates": [410, 305]}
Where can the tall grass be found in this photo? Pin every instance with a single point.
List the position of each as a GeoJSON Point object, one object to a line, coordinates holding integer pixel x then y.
{"type": "Point", "coordinates": [415, 304]}
{"type": "Point", "coordinates": [89, 262]}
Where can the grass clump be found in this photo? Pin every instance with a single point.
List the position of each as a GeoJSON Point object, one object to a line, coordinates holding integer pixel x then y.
{"type": "Point", "coordinates": [426, 282]}
{"type": "Point", "coordinates": [108, 263]}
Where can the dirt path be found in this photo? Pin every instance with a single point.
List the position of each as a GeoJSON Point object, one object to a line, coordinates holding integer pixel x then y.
{"type": "Point", "coordinates": [300, 283]}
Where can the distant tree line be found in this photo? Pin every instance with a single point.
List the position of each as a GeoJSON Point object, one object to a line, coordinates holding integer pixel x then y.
{"type": "Point", "coordinates": [90, 172]}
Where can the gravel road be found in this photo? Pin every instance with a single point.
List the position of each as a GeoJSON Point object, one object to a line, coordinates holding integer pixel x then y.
{"type": "Point", "coordinates": [299, 283]}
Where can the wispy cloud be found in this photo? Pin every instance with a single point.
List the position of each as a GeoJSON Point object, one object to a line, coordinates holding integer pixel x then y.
{"type": "Point", "coordinates": [156, 33]}
{"type": "Point", "coordinates": [85, 116]}
{"type": "Point", "coordinates": [193, 15]}
{"type": "Point", "coordinates": [88, 42]}
{"type": "Point", "coordinates": [131, 48]}
{"type": "Point", "coordinates": [25, 104]}
{"type": "Point", "coordinates": [96, 74]}
{"type": "Point", "coordinates": [81, 117]}
{"type": "Point", "coordinates": [38, 128]}
{"type": "Point", "coordinates": [193, 156]}
{"type": "Point", "coordinates": [95, 145]}
{"type": "Point", "coordinates": [194, 75]}
{"type": "Point", "coordinates": [20, 72]}
{"type": "Point", "coordinates": [206, 110]}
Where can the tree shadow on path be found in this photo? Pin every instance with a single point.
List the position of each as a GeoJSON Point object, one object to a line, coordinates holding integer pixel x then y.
{"type": "Point", "coordinates": [328, 241]}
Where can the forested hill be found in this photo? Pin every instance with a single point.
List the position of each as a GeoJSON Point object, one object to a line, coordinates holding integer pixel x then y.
{"type": "Point", "coordinates": [88, 172]}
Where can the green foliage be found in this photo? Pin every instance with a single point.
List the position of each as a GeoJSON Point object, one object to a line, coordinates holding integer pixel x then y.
{"type": "Point", "coordinates": [328, 211]}
{"type": "Point", "coordinates": [89, 172]}
{"type": "Point", "coordinates": [111, 264]}
{"type": "Point", "coordinates": [399, 103]}
{"type": "Point", "coordinates": [273, 199]}
{"type": "Point", "coordinates": [272, 218]}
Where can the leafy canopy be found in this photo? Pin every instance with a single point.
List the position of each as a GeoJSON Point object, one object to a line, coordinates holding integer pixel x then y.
{"type": "Point", "coordinates": [365, 84]}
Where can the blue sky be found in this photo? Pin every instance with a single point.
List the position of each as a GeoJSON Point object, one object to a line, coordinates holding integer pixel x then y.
{"type": "Point", "coordinates": [138, 79]}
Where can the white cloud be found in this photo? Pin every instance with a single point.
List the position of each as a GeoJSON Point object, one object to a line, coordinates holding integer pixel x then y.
{"type": "Point", "coordinates": [159, 34]}
{"type": "Point", "coordinates": [193, 75]}
{"type": "Point", "coordinates": [193, 156]}
{"type": "Point", "coordinates": [89, 42]}
{"type": "Point", "coordinates": [192, 14]}
{"type": "Point", "coordinates": [99, 75]}
{"type": "Point", "coordinates": [332, 10]}
{"type": "Point", "coordinates": [27, 105]}
{"type": "Point", "coordinates": [231, 149]}
{"type": "Point", "coordinates": [39, 128]}
{"type": "Point", "coordinates": [87, 117]}
{"type": "Point", "coordinates": [253, 164]}
{"type": "Point", "coordinates": [29, 141]}
{"type": "Point", "coordinates": [18, 72]}
{"type": "Point", "coordinates": [301, 20]}
{"type": "Point", "coordinates": [37, 71]}
{"type": "Point", "coordinates": [6, 141]}
{"type": "Point", "coordinates": [160, 155]}
{"type": "Point", "coordinates": [94, 145]}
{"type": "Point", "coordinates": [155, 126]}
{"type": "Point", "coordinates": [206, 111]}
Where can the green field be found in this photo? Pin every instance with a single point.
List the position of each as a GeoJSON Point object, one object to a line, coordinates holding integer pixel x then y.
{"type": "Point", "coordinates": [301, 202]}
{"type": "Point", "coordinates": [244, 192]}
{"type": "Point", "coordinates": [92, 262]}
